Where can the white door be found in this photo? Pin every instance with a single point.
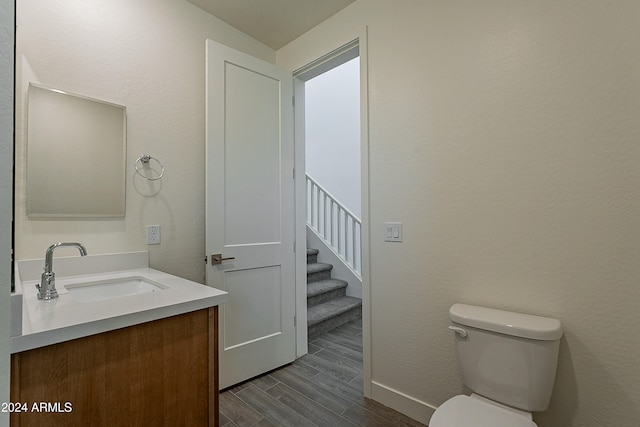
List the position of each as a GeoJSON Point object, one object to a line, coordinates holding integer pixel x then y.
{"type": "Point", "coordinates": [250, 210]}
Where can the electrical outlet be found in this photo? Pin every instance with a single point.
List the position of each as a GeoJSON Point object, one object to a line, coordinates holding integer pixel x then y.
{"type": "Point", "coordinates": [153, 234]}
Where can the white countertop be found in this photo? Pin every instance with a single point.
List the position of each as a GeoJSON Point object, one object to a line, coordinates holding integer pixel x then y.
{"type": "Point", "coordinates": [50, 322]}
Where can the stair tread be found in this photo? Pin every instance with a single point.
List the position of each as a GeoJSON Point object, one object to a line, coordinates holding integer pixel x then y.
{"type": "Point", "coordinates": [329, 309]}
{"type": "Point", "coordinates": [318, 267]}
{"type": "Point", "coordinates": [312, 251]}
{"type": "Point", "coordinates": [322, 286]}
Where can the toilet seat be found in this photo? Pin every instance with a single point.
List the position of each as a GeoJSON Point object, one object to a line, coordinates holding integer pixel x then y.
{"type": "Point", "coordinates": [465, 411]}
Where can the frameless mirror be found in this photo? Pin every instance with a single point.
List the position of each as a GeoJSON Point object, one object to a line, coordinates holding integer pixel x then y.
{"type": "Point", "coordinates": [76, 149]}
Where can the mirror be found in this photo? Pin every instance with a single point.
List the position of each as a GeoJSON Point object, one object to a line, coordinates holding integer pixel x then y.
{"type": "Point", "coordinates": [76, 149]}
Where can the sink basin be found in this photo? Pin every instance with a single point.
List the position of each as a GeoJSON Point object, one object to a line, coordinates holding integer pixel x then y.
{"type": "Point", "coordinates": [101, 290]}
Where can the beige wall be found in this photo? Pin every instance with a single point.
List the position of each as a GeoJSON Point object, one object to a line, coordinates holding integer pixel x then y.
{"type": "Point", "coordinates": [148, 55]}
{"type": "Point", "coordinates": [504, 135]}
{"type": "Point", "coordinates": [6, 191]}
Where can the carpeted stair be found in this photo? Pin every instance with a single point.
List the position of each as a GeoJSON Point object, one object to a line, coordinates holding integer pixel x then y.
{"type": "Point", "coordinates": [327, 304]}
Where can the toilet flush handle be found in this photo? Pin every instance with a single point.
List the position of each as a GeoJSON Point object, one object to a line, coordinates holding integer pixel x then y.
{"type": "Point", "coordinates": [459, 331]}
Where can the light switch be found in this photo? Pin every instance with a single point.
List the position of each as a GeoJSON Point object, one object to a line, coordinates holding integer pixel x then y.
{"type": "Point", "coordinates": [393, 231]}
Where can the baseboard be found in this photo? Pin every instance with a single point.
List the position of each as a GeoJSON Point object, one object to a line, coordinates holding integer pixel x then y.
{"type": "Point", "coordinates": [407, 405]}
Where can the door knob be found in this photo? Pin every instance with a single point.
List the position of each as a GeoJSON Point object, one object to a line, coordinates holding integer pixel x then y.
{"type": "Point", "coordinates": [217, 259]}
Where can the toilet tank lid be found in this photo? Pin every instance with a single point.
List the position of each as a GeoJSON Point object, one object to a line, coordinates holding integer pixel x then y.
{"type": "Point", "coordinates": [507, 322]}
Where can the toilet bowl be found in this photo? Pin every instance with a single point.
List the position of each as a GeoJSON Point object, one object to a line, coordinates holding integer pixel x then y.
{"type": "Point", "coordinates": [508, 360]}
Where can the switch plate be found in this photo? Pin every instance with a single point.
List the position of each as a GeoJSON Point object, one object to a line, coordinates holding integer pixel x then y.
{"type": "Point", "coordinates": [393, 232]}
{"type": "Point", "coordinates": [153, 234]}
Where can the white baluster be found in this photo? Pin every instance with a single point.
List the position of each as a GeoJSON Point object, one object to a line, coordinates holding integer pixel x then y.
{"type": "Point", "coordinates": [338, 227]}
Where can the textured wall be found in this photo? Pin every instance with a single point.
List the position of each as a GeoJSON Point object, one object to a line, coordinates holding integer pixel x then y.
{"type": "Point", "coordinates": [6, 191]}
{"type": "Point", "coordinates": [504, 134]}
{"type": "Point", "coordinates": [148, 55]}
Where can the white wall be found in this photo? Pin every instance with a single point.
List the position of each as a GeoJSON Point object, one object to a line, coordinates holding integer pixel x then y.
{"type": "Point", "coordinates": [332, 132]}
{"type": "Point", "coordinates": [504, 134]}
{"type": "Point", "coordinates": [148, 55]}
{"type": "Point", "coordinates": [6, 191]}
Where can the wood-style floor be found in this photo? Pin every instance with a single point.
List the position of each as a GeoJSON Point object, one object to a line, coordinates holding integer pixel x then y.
{"type": "Point", "coordinates": [322, 388]}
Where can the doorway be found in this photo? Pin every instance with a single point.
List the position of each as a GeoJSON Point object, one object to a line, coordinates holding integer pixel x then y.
{"type": "Point", "coordinates": [353, 51]}
{"type": "Point", "coordinates": [333, 197]}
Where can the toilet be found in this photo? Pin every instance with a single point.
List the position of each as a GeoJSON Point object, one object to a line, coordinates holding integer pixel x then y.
{"type": "Point", "coordinates": [508, 360]}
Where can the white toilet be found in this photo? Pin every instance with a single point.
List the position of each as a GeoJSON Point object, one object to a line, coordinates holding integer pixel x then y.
{"type": "Point", "coordinates": [509, 362]}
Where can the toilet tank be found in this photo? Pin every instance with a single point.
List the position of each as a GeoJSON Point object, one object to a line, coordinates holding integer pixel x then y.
{"type": "Point", "coordinates": [507, 357]}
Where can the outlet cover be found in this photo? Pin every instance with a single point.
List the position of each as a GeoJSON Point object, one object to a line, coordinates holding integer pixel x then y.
{"type": "Point", "coordinates": [153, 234]}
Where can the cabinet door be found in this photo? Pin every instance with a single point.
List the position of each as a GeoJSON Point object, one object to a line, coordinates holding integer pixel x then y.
{"type": "Point", "coordinates": [160, 373]}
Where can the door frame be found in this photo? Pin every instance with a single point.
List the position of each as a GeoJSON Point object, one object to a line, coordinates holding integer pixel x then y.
{"type": "Point", "coordinates": [349, 50]}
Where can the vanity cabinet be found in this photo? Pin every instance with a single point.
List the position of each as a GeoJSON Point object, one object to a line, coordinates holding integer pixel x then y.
{"type": "Point", "coordinates": [160, 373]}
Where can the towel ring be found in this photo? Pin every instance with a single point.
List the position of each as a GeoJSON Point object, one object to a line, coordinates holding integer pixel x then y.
{"type": "Point", "coordinates": [144, 159]}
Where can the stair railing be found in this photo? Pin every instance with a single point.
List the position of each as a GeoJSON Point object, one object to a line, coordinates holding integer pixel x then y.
{"type": "Point", "coordinates": [334, 224]}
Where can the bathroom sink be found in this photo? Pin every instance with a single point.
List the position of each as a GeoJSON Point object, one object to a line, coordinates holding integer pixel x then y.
{"type": "Point", "coordinates": [101, 290]}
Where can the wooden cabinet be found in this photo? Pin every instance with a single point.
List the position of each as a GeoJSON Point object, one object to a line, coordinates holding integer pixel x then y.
{"type": "Point", "coordinates": [161, 373]}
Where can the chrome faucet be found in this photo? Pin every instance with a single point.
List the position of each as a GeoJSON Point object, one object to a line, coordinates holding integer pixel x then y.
{"type": "Point", "coordinates": [47, 287]}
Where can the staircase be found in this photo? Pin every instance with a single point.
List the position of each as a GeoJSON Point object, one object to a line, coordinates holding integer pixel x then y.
{"type": "Point", "coordinates": [327, 304]}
